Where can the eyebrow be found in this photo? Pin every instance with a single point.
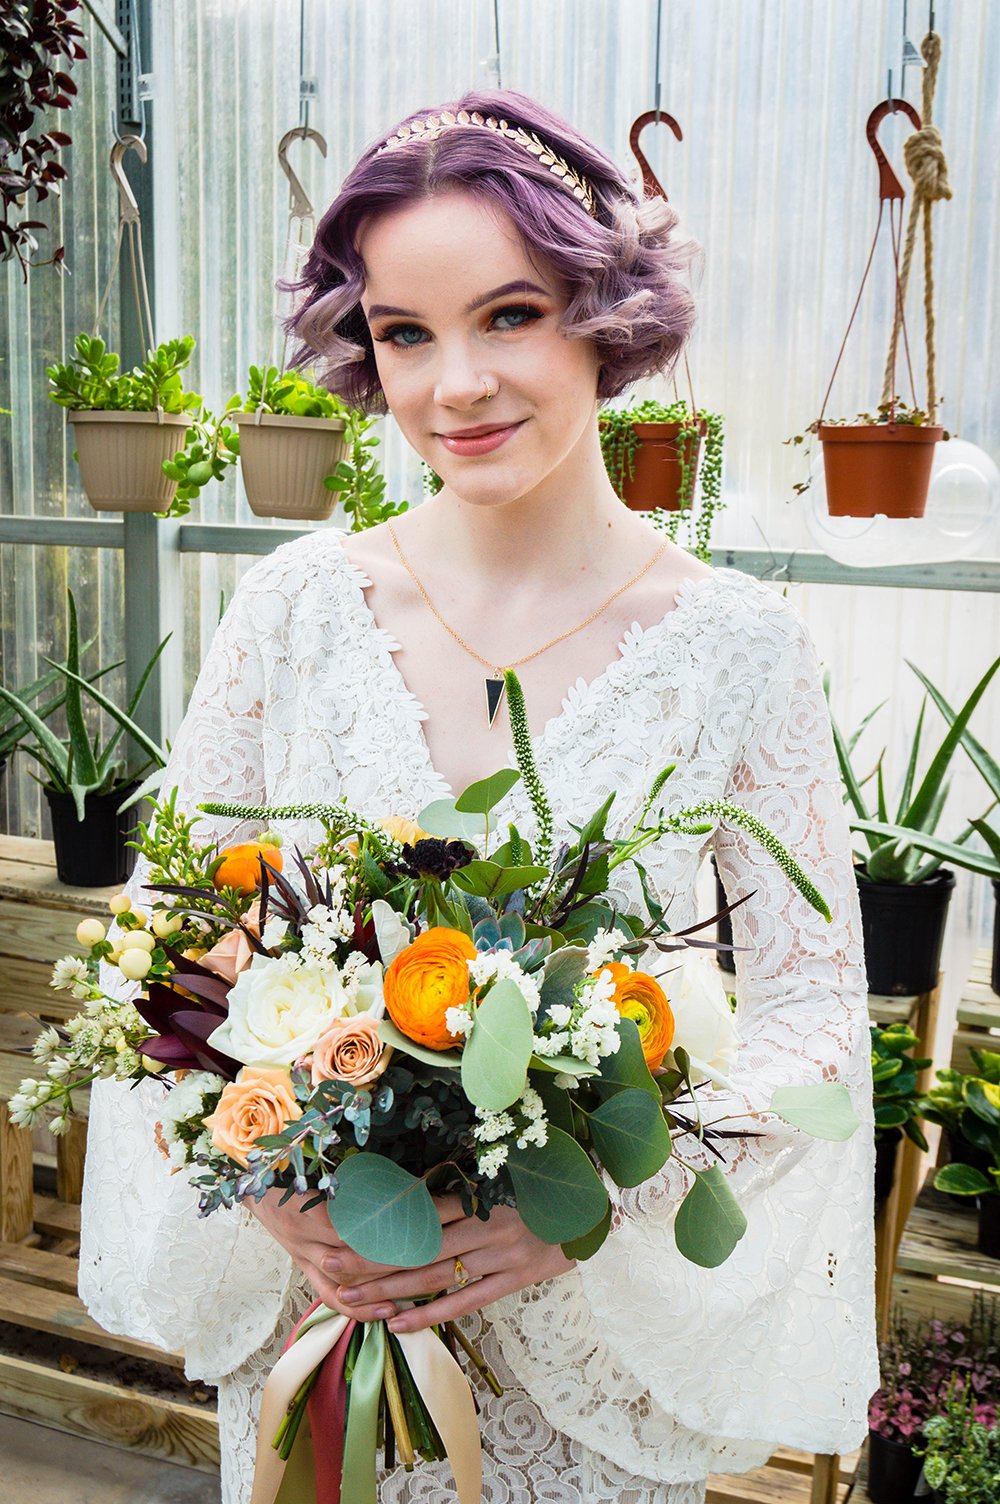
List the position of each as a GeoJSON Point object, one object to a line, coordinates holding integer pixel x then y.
{"type": "Point", "coordinates": [379, 310]}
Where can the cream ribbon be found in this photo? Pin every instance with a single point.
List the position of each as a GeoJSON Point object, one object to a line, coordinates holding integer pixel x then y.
{"type": "Point", "coordinates": [440, 1382]}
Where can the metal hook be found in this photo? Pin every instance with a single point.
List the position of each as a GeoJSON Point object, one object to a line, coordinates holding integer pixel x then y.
{"type": "Point", "coordinates": [889, 185]}
{"type": "Point", "coordinates": [300, 204]}
{"type": "Point", "coordinates": [650, 181]}
{"type": "Point", "coordinates": [128, 209]}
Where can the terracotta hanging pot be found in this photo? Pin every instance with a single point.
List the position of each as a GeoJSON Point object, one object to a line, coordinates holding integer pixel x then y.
{"type": "Point", "coordinates": [876, 468]}
{"type": "Point", "coordinates": [121, 457]}
{"type": "Point", "coordinates": [655, 483]}
{"type": "Point", "coordinates": [285, 460]}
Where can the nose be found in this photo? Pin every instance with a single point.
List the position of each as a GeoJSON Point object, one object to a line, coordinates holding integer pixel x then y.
{"type": "Point", "coordinates": [460, 379]}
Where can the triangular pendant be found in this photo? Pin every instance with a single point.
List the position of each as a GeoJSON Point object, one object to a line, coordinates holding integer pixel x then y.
{"type": "Point", "coordinates": [494, 695]}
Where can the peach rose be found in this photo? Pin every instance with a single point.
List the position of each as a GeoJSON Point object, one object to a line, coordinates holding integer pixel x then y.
{"type": "Point", "coordinates": [233, 953]}
{"type": "Point", "coordinates": [426, 979]}
{"type": "Point", "coordinates": [640, 997]}
{"type": "Point", "coordinates": [260, 1101]}
{"type": "Point", "coordinates": [350, 1050]}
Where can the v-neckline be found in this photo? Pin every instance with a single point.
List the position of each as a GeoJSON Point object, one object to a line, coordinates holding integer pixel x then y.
{"type": "Point", "coordinates": [688, 591]}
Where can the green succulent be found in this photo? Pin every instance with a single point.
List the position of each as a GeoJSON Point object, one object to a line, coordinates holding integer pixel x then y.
{"type": "Point", "coordinates": [894, 1074]}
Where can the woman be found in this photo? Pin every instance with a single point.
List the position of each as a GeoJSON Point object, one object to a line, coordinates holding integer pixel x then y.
{"type": "Point", "coordinates": [488, 276]}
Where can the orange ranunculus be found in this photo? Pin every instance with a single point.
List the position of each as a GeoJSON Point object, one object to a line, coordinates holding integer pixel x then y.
{"type": "Point", "coordinates": [641, 998]}
{"type": "Point", "coordinates": [260, 1101]}
{"type": "Point", "coordinates": [240, 867]}
{"type": "Point", "coordinates": [426, 979]}
{"type": "Point", "coordinates": [349, 1049]}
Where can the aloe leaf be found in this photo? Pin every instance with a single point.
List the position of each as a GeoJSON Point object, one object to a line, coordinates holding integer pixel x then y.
{"type": "Point", "coordinates": [916, 815]}
{"type": "Point", "coordinates": [86, 767]}
{"type": "Point", "coordinates": [133, 702]}
{"type": "Point", "coordinates": [883, 812]}
{"type": "Point", "coordinates": [849, 778]}
{"type": "Point", "coordinates": [989, 835]}
{"type": "Point", "coordinates": [977, 753]}
{"type": "Point", "coordinates": [855, 736]}
{"type": "Point", "coordinates": [911, 767]}
{"type": "Point", "coordinates": [47, 740]}
{"type": "Point", "coordinates": [136, 732]}
{"type": "Point", "coordinates": [949, 851]}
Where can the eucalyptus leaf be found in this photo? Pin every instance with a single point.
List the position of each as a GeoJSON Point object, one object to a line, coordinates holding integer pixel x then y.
{"type": "Point", "coordinates": [563, 969]}
{"type": "Point", "coordinates": [627, 1067]}
{"type": "Point", "coordinates": [630, 1136]}
{"type": "Point", "coordinates": [585, 1247]}
{"type": "Point", "coordinates": [384, 1213]}
{"type": "Point", "coordinates": [479, 798]}
{"type": "Point", "coordinates": [441, 818]}
{"type": "Point", "coordinates": [496, 1054]}
{"type": "Point", "coordinates": [822, 1109]}
{"type": "Point", "coordinates": [560, 1195]}
{"type": "Point", "coordinates": [389, 1034]}
{"type": "Point", "coordinates": [709, 1222]}
{"type": "Point", "coordinates": [562, 1065]}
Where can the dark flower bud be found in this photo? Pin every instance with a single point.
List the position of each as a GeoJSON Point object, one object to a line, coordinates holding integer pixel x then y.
{"type": "Point", "coordinates": [431, 857]}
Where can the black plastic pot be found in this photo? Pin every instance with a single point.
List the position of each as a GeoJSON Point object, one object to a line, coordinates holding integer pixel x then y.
{"type": "Point", "coordinates": [886, 1145]}
{"type": "Point", "coordinates": [91, 853]}
{"type": "Point", "coordinates": [893, 1470]}
{"type": "Point", "coordinates": [961, 1152]}
{"type": "Point", "coordinates": [995, 969]}
{"type": "Point", "coordinates": [989, 1226]}
{"type": "Point", "coordinates": [903, 926]}
{"type": "Point", "coordinates": [724, 928]}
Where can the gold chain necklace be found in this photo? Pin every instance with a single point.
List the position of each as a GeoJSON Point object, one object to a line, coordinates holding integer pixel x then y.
{"type": "Point", "coordinates": [495, 682]}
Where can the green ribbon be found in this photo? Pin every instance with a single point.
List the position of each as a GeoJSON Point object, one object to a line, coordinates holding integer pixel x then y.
{"type": "Point", "coordinates": [361, 1437]}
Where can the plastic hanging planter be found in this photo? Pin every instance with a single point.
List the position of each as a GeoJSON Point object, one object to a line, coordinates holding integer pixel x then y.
{"type": "Point", "coordinates": [121, 457]}
{"type": "Point", "coordinates": [285, 460]}
{"type": "Point", "coordinates": [655, 482]}
{"type": "Point", "coordinates": [878, 468]}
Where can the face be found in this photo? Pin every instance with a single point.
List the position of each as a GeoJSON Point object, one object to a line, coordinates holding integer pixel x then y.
{"type": "Point", "coordinates": [453, 302]}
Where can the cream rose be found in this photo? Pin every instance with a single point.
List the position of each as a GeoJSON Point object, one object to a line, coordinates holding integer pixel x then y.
{"type": "Point", "coordinates": [703, 1020]}
{"type": "Point", "coordinates": [350, 1050]}
{"type": "Point", "coordinates": [278, 1009]}
{"type": "Point", "coordinates": [257, 1103]}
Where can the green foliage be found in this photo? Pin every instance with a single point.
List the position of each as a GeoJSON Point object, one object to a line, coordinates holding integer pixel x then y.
{"type": "Point", "coordinates": [709, 1222]}
{"type": "Point", "coordinates": [894, 1074]}
{"type": "Point", "coordinates": [560, 1195]}
{"type": "Point", "coordinates": [895, 846]}
{"type": "Point", "coordinates": [90, 382]}
{"type": "Point", "coordinates": [497, 1052]}
{"type": "Point", "coordinates": [618, 446]}
{"type": "Point", "coordinates": [13, 726]}
{"type": "Point", "coordinates": [962, 1453]}
{"type": "Point", "coordinates": [822, 1109]}
{"type": "Point", "coordinates": [385, 1213]}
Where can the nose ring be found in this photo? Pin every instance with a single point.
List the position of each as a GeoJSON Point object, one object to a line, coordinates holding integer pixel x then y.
{"type": "Point", "coordinates": [489, 394]}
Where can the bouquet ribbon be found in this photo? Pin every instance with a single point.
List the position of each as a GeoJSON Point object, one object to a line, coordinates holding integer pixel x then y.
{"type": "Point", "coordinates": [333, 1457]}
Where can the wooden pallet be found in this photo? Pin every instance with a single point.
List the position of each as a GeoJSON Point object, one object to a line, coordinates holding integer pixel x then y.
{"type": "Point", "coordinates": [39, 1233]}
{"type": "Point", "coordinates": [790, 1477]}
{"type": "Point", "coordinates": [978, 1015]}
{"type": "Point", "coordinates": [938, 1266]}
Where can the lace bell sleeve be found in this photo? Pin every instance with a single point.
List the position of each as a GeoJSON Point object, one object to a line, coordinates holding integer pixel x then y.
{"type": "Point", "coordinates": [779, 1340]}
{"type": "Point", "coordinates": [150, 1268]}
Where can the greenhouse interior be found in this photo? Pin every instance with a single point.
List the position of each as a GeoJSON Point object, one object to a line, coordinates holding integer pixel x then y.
{"type": "Point", "coordinates": [465, 1030]}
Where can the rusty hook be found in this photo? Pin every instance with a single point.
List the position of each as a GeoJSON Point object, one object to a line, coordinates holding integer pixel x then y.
{"type": "Point", "coordinates": [889, 185]}
{"type": "Point", "coordinates": [300, 203]}
{"type": "Point", "coordinates": [128, 209]}
{"type": "Point", "coordinates": [650, 181]}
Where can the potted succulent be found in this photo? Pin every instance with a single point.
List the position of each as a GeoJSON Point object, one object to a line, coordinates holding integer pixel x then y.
{"type": "Point", "coordinates": [651, 453]}
{"type": "Point", "coordinates": [897, 1099]}
{"type": "Point", "coordinates": [12, 726]}
{"type": "Point", "coordinates": [85, 787]}
{"type": "Point", "coordinates": [126, 424]}
{"type": "Point", "coordinates": [878, 462]}
{"type": "Point", "coordinates": [961, 1445]}
{"type": "Point", "coordinates": [292, 437]}
{"type": "Point", "coordinates": [904, 888]}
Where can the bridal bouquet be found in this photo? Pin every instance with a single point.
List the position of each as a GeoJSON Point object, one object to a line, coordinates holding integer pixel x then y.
{"type": "Point", "coordinates": [408, 1010]}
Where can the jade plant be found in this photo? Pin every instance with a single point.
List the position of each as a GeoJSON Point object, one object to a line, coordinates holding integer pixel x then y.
{"type": "Point", "coordinates": [78, 765]}
{"type": "Point", "coordinates": [618, 446]}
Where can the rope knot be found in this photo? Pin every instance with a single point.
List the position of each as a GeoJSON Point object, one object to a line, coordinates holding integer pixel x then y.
{"type": "Point", "coordinates": [925, 162]}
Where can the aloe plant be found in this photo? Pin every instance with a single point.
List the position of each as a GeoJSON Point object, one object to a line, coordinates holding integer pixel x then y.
{"type": "Point", "coordinates": [12, 726]}
{"type": "Point", "coordinates": [77, 766]}
{"type": "Point", "coordinates": [896, 846]}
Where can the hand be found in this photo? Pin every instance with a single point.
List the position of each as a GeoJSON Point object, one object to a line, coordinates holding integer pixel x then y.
{"type": "Point", "coordinates": [500, 1256]}
{"type": "Point", "coordinates": [312, 1241]}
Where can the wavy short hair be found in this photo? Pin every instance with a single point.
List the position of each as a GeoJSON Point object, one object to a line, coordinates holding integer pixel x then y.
{"type": "Point", "coordinates": [623, 265]}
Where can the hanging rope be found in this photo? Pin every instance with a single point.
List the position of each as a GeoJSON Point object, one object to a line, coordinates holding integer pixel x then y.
{"type": "Point", "coordinates": [925, 161]}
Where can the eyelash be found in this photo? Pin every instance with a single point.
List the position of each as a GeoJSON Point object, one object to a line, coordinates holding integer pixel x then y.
{"type": "Point", "coordinates": [388, 337]}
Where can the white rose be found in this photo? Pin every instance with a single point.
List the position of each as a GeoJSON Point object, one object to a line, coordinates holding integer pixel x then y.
{"type": "Point", "coordinates": [278, 1009]}
{"type": "Point", "coordinates": [703, 1020]}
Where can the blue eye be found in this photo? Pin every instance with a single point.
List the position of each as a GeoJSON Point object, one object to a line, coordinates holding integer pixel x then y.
{"type": "Point", "coordinates": [524, 312]}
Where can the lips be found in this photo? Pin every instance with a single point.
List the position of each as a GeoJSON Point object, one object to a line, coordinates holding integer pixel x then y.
{"type": "Point", "coordinates": [476, 433]}
{"type": "Point", "coordinates": [479, 441]}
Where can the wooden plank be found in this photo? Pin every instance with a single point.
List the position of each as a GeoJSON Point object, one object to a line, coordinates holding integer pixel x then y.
{"type": "Point", "coordinates": [26, 849]}
{"type": "Point", "coordinates": [24, 987]}
{"type": "Point", "coordinates": [66, 1316]}
{"type": "Point", "coordinates": [767, 1485]}
{"type": "Point", "coordinates": [921, 1295]}
{"type": "Point", "coordinates": [965, 1040]}
{"type": "Point", "coordinates": [104, 1412]}
{"type": "Point", "coordinates": [940, 1239]}
{"type": "Point", "coordinates": [39, 885]}
{"type": "Point", "coordinates": [803, 1462]}
{"type": "Point", "coordinates": [884, 1010]}
{"type": "Point", "coordinates": [56, 1217]}
{"type": "Point", "coordinates": [53, 1271]}
{"type": "Point", "coordinates": [44, 932]}
{"type": "Point", "coordinates": [15, 1179]}
{"type": "Point", "coordinates": [15, 1067]}
{"type": "Point", "coordinates": [71, 1150]}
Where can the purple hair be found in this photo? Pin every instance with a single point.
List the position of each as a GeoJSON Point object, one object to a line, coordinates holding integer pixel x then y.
{"type": "Point", "coordinates": [622, 268]}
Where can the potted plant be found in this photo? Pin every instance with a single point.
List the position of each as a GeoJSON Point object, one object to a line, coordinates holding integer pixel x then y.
{"type": "Point", "coordinates": [12, 726]}
{"type": "Point", "coordinates": [84, 786]}
{"type": "Point", "coordinates": [980, 1125]}
{"type": "Point", "coordinates": [961, 1446]}
{"type": "Point", "coordinates": [292, 437]}
{"type": "Point", "coordinates": [897, 1098]}
{"type": "Point", "coordinates": [964, 1138]}
{"type": "Point", "coordinates": [651, 453]}
{"type": "Point", "coordinates": [876, 463]}
{"type": "Point", "coordinates": [904, 888]}
{"type": "Point", "coordinates": [126, 424]}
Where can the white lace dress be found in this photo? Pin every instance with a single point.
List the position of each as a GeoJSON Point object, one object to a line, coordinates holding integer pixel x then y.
{"type": "Point", "coordinates": [635, 1375]}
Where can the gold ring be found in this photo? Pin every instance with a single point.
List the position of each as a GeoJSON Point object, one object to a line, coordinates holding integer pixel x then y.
{"type": "Point", "coordinates": [461, 1274]}
{"type": "Point", "coordinates": [486, 384]}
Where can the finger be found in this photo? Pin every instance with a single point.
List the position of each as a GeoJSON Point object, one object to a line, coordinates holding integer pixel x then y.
{"type": "Point", "coordinates": [482, 1292]}
{"type": "Point", "coordinates": [449, 1208]}
{"type": "Point", "coordinates": [326, 1290]}
{"type": "Point", "coordinates": [349, 1268]}
{"type": "Point", "coordinates": [405, 1284]}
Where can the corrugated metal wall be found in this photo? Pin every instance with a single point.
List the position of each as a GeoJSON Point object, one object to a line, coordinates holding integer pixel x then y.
{"type": "Point", "coordinates": [773, 176]}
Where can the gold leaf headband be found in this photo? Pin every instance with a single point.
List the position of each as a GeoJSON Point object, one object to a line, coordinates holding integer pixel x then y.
{"type": "Point", "coordinates": [433, 125]}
